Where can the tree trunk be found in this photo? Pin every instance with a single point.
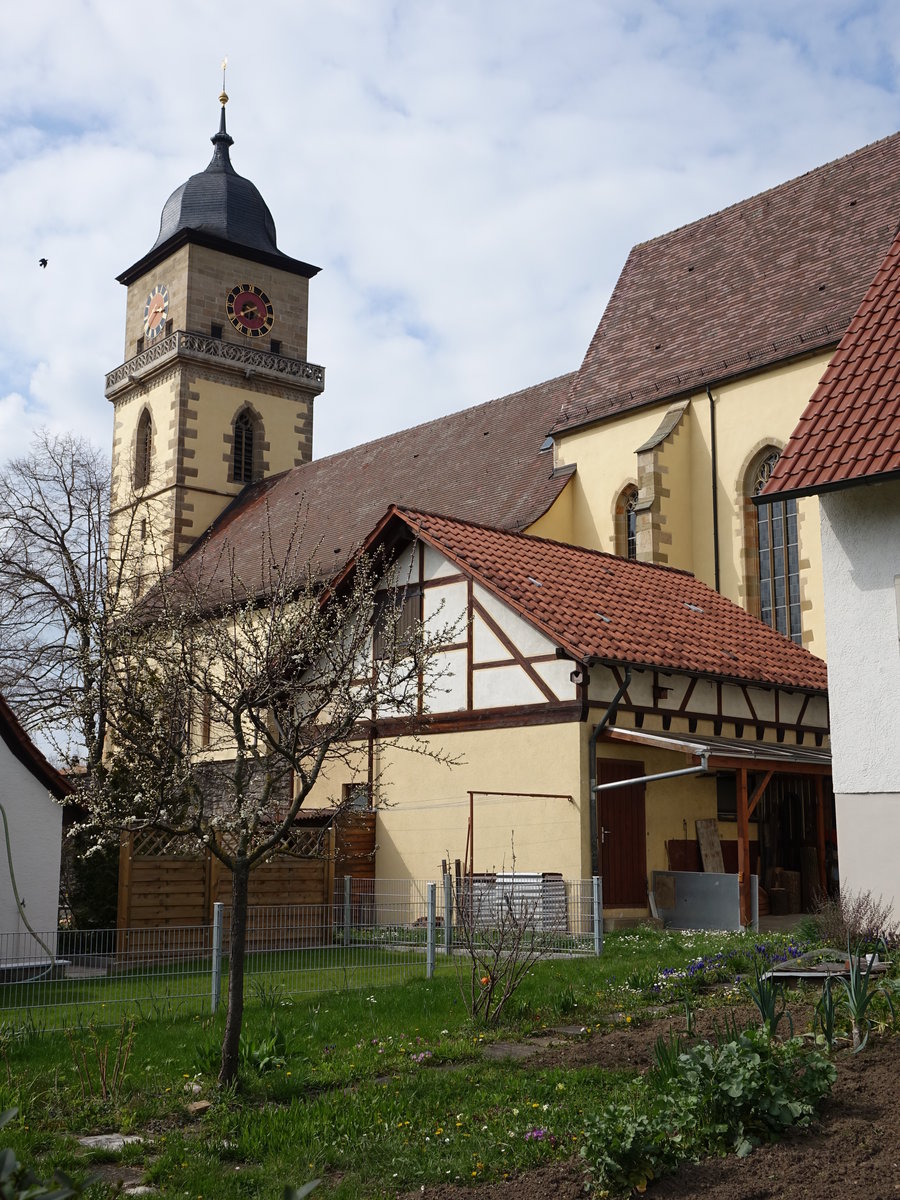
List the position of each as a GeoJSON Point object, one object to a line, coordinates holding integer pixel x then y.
{"type": "Point", "coordinates": [240, 881]}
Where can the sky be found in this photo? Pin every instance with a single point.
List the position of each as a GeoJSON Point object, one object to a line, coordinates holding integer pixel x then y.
{"type": "Point", "coordinates": [469, 174]}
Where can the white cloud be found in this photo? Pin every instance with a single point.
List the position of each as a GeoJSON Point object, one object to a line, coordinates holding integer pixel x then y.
{"type": "Point", "coordinates": [470, 176]}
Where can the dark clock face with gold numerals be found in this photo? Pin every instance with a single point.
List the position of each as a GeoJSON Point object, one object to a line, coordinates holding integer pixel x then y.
{"type": "Point", "coordinates": [249, 309]}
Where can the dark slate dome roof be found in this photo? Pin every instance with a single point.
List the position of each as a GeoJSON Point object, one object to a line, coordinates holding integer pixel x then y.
{"type": "Point", "coordinates": [220, 202]}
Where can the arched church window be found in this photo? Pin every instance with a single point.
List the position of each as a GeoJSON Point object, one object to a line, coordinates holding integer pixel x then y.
{"type": "Point", "coordinates": [242, 450]}
{"type": "Point", "coordinates": [778, 555]}
{"type": "Point", "coordinates": [143, 450]}
{"type": "Point", "coordinates": [626, 522]}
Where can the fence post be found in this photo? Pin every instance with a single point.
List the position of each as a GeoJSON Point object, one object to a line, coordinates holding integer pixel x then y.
{"type": "Point", "coordinates": [597, 907]}
{"type": "Point", "coordinates": [430, 900]}
{"type": "Point", "coordinates": [448, 915]}
{"type": "Point", "coordinates": [217, 927]}
{"type": "Point", "coordinates": [348, 914]}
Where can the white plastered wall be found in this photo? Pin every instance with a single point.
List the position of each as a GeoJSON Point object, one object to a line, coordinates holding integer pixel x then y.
{"type": "Point", "coordinates": [861, 558]}
{"type": "Point", "coordinates": [35, 832]}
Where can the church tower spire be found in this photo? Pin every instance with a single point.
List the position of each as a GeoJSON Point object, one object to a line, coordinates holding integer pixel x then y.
{"type": "Point", "coordinates": [215, 391]}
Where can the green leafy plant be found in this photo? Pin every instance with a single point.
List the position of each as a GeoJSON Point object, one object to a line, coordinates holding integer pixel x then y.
{"type": "Point", "coordinates": [666, 1053]}
{"type": "Point", "coordinates": [269, 1053]}
{"type": "Point", "coordinates": [860, 992]}
{"type": "Point", "coordinates": [770, 1000]}
{"type": "Point", "coordinates": [710, 1100]}
{"type": "Point", "coordinates": [19, 1183]}
{"type": "Point", "coordinates": [825, 1014]}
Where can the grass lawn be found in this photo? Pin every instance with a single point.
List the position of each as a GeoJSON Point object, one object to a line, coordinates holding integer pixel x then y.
{"type": "Point", "coordinates": [377, 1090]}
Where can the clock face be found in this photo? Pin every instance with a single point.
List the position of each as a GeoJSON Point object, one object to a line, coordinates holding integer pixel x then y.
{"type": "Point", "coordinates": [156, 310]}
{"type": "Point", "coordinates": [250, 310]}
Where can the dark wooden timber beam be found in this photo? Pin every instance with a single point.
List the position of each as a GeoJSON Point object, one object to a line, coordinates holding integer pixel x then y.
{"type": "Point", "coordinates": [743, 847]}
{"type": "Point", "coordinates": [757, 795]}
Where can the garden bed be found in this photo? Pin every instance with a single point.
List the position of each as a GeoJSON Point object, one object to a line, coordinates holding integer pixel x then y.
{"type": "Point", "coordinates": [853, 1152]}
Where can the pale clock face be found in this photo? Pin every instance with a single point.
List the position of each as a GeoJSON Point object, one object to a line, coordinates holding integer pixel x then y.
{"type": "Point", "coordinates": [249, 309]}
{"type": "Point", "coordinates": [156, 310]}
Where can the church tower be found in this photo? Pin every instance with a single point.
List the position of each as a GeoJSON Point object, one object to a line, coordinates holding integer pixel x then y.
{"type": "Point", "coordinates": [215, 391]}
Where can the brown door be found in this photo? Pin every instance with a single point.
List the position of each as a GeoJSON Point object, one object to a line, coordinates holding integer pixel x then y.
{"type": "Point", "coordinates": [622, 830]}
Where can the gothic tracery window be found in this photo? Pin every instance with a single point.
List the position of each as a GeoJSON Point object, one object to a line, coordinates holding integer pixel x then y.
{"type": "Point", "coordinates": [778, 556]}
{"type": "Point", "coordinates": [626, 522]}
{"type": "Point", "coordinates": [242, 448]}
{"type": "Point", "coordinates": [143, 450]}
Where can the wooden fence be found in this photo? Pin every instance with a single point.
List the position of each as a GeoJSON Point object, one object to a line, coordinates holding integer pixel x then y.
{"type": "Point", "coordinates": [166, 887]}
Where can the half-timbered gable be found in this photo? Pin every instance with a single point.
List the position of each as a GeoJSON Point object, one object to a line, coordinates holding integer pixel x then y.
{"type": "Point", "coordinates": [570, 671]}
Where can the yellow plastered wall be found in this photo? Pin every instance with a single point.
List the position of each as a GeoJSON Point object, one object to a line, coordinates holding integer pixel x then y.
{"type": "Point", "coordinates": [214, 404]}
{"type": "Point", "coordinates": [424, 805]}
{"type": "Point", "coordinates": [751, 413]}
{"type": "Point", "coordinates": [557, 522]}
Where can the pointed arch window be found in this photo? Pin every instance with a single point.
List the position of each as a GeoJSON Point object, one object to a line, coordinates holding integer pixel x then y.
{"type": "Point", "coordinates": [143, 450]}
{"type": "Point", "coordinates": [626, 522]}
{"type": "Point", "coordinates": [778, 556]}
{"type": "Point", "coordinates": [243, 446]}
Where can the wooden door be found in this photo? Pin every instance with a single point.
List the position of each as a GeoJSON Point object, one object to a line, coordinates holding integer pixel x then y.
{"type": "Point", "coordinates": [621, 827]}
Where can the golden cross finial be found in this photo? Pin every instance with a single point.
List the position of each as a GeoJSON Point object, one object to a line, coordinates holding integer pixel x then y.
{"type": "Point", "coordinates": [223, 99]}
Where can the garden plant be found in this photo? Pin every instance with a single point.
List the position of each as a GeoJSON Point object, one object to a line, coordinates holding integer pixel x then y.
{"type": "Point", "coordinates": [436, 1095]}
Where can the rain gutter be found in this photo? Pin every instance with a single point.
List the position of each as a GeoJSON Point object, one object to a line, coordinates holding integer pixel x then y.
{"type": "Point", "coordinates": [714, 455]}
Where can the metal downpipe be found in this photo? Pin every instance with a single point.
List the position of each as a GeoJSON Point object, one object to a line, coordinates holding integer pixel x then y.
{"type": "Point", "coordinates": [592, 767]}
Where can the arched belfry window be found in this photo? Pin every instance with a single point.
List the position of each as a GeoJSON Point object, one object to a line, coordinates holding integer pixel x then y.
{"type": "Point", "coordinates": [626, 522]}
{"type": "Point", "coordinates": [245, 434]}
{"type": "Point", "coordinates": [143, 450]}
{"type": "Point", "coordinates": [778, 555]}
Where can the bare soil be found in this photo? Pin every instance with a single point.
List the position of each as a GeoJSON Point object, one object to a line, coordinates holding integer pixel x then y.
{"type": "Point", "coordinates": [854, 1151]}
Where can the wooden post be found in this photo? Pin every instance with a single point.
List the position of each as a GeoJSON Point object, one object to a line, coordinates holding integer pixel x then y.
{"type": "Point", "coordinates": [330, 856]}
{"type": "Point", "coordinates": [743, 845]}
{"type": "Point", "coordinates": [820, 836]}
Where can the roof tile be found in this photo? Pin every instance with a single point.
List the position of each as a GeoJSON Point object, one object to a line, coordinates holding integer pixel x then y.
{"type": "Point", "coordinates": [775, 276]}
{"type": "Point", "coordinates": [483, 462]}
{"type": "Point", "coordinates": [600, 606]}
{"type": "Point", "coordinates": [849, 430]}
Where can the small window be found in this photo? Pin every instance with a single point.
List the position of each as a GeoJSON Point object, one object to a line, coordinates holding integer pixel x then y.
{"type": "Point", "coordinates": [205, 720]}
{"type": "Point", "coordinates": [408, 617]}
{"type": "Point", "coordinates": [140, 346]}
{"type": "Point", "coordinates": [215, 331]}
{"type": "Point", "coordinates": [626, 522]}
{"type": "Point", "coordinates": [143, 450]}
{"type": "Point", "coordinates": [356, 795]}
{"type": "Point", "coordinates": [169, 326]}
{"type": "Point", "coordinates": [275, 346]}
{"type": "Point", "coordinates": [726, 797]}
{"type": "Point", "coordinates": [242, 451]}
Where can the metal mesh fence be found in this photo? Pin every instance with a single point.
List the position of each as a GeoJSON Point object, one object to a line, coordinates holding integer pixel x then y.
{"type": "Point", "coordinates": [375, 932]}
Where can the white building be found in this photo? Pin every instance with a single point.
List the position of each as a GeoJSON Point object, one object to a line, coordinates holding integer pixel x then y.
{"type": "Point", "coordinates": [31, 836]}
{"type": "Point", "coordinates": [846, 449]}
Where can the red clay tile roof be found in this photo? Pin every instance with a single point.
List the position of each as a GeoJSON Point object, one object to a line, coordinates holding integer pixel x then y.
{"type": "Point", "coordinates": [482, 463]}
{"type": "Point", "coordinates": [850, 430]}
{"type": "Point", "coordinates": [599, 606]}
{"type": "Point", "coordinates": [773, 277]}
{"type": "Point", "coordinates": [24, 749]}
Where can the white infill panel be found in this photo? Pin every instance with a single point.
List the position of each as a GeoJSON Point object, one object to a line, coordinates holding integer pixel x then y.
{"type": "Point", "coordinates": [527, 640]}
{"type": "Point", "coordinates": [500, 687]}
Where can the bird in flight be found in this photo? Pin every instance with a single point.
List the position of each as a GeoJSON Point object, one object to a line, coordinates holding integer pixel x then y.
{"type": "Point", "coordinates": [42, 261]}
